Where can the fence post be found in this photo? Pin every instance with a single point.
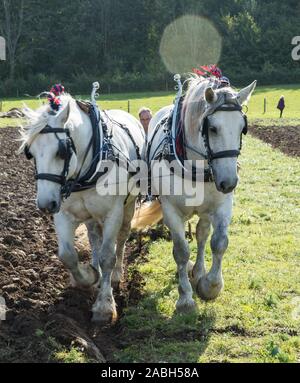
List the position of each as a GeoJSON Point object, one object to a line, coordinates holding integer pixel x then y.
{"type": "Point", "coordinates": [265, 105]}
{"type": "Point", "coordinates": [128, 106]}
{"type": "Point", "coordinates": [0, 106]}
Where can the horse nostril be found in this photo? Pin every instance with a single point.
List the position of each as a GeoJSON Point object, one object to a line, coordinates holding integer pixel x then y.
{"type": "Point", "coordinates": [228, 187]}
{"type": "Point", "coordinates": [223, 186]}
{"type": "Point", "coordinates": [52, 206]}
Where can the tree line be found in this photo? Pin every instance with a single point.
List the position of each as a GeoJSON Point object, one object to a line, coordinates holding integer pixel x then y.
{"type": "Point", "coordinates": [117, 42]}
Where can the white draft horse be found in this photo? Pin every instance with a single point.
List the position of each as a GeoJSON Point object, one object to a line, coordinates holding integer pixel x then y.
{"type": "Point", "coordinates": [60, 144]}
{"type": "Point", "coordinates": [213, 127]}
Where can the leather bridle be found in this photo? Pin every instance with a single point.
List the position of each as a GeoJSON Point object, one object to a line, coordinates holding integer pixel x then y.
{"type": "Point", "coordinates": [66, 149]}
{"type": "Point", "coordinates": [211, 156]}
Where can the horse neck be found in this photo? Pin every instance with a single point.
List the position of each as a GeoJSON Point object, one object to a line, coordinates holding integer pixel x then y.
{"type": "Point", "coordinates": [82, 135]}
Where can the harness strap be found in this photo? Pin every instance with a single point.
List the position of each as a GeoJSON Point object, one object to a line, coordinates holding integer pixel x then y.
{"type": "Point", "coordinates": [226, 154]}
{"type": "Point", "coordinates": [162, 123]}
{"type": "Point", "coordinates": [48, 130]}
{"type": "Point", "coordinates": [50, 177]}
{"type": "Point", "coordinates": [95, 143]}
{"type": "Point", "coordinates": [125, 128]}
{"type": "Point", "coordinates": [170, 157]}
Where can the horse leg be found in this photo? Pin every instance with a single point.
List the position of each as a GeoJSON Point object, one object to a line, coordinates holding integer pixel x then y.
{"type": "Point", "coordinates": [210, 285]}
{"type": "Point", "coordinates": [104, 309]}
{"type": "Point", "coordinates": [95, 239]}
{"type": "Point", "coordinates": [83, 275]}
{"type": "Point", "coordinates": [122, 239]}
{"type": "Point", "coordinates": [202, 234]}
{"type": "Point", "coordinates": [181, 255]}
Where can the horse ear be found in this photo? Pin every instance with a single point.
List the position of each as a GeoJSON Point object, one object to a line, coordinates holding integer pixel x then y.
{"type": "Point", "coordinates": [63, 115]}
{"type": "Point", "coordinates": [210, 96]}
{"type": "Point", "coordinates": [246, 93]}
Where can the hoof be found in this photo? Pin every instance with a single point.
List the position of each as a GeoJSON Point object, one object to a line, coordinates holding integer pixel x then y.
{"type": "Point", "coordinates": [186, 306]}
{"type": "Point", "coordinates": [207, 290]}
{"type": "Point", "coordinates": [104, 318]}
{"type": "Point", "coordinates": [104, 313]}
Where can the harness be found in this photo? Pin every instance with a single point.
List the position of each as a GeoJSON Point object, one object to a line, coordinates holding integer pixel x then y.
{"type": "Point", "coordinates": [103, 150]}
{"type": "Point", "coordinates": [173, 146]}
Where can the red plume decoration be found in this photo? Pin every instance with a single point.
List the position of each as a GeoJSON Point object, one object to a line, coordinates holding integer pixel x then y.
{"type": "Point", "coordinates": [208, 71]}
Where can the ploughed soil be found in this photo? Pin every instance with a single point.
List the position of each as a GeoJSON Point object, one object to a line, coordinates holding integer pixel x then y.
{"type": "Point", "coordinates": [285, 138]}
{"type": "Point", "coordinates": [44, 313]}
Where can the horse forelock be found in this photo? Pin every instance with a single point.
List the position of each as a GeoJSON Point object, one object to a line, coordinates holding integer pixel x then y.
{"type": "Point", "coordinates": [36, 121]}
{"type": "Point", "coordinates": [195, 107]}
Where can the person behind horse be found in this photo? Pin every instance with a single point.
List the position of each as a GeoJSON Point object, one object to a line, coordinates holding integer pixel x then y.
{"type": "Point", "coordinates": [145, 115]}
{"type": "Point", "coordinates": [281, 105]}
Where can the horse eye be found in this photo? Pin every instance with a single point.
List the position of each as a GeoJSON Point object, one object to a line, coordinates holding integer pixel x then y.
{"type": "Point", "coordinates": [213, 130]}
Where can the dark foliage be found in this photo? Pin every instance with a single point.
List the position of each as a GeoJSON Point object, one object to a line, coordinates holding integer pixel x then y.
{"type": "Point", "coordinates": [117, 42]}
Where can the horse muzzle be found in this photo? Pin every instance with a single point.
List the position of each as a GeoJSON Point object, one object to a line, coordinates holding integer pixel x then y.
{"type": "Point", "coordinates": [227, 186]}
{"type": "Point", "coordinates": [49, 207]}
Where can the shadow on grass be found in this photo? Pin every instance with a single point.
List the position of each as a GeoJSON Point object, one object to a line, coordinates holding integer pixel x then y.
{"type": "Point", "coordinates": [151, 336]}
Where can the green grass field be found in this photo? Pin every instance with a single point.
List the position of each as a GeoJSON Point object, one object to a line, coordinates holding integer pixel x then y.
{"type": "Point", "coordinates": [157, 100]}
{"type": "Point", "coordinates": [257, 317]}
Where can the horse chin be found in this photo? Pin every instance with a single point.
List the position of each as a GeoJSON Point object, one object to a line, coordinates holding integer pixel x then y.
{"type": "Point", "coordinates": [225, 192]}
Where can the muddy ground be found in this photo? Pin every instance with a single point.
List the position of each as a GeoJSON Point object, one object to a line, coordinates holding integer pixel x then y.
{"type": "Point", "coordinates": [44, 312]}
{"type": "Point", "coordinates": [285, 138]}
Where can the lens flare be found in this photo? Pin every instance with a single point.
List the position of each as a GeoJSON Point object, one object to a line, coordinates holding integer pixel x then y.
{"type": "Point", "coordinates": [189, 42]}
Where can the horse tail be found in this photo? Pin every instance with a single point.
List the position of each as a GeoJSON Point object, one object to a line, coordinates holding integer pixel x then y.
{"type": "Point", "coordinates": [148, 214]}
